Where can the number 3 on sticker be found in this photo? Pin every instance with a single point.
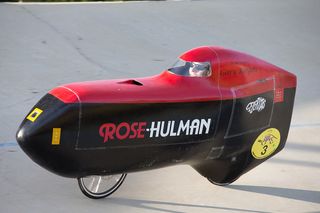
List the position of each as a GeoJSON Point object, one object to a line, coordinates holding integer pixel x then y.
{"type": "Point", "coordinates": [266, 143]}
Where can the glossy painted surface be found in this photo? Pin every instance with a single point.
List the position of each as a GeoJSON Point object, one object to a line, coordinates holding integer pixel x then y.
{"type": "Point", "coordinates": [281, 32]}
{"type": "Point", "coordinates": [230, 69]}
{"type": "Point", "coordinates": [119, 126]}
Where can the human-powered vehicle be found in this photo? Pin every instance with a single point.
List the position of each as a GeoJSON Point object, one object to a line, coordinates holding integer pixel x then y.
{"type": "Point", "coordinates": [220, 111]}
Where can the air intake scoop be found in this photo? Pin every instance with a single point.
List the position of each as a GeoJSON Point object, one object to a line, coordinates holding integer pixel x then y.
{"type": "Point", "coordinates": [133, 82]}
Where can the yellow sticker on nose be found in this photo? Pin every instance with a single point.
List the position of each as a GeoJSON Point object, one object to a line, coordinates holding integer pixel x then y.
{"type": "Point", "coordinates": [34, 114]}
{"type": "Point", "coordinates": [56, 135]}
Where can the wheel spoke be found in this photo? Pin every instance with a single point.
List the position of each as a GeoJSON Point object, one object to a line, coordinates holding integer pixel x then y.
{"type": "Point", "coordinates": [90, 187]}
{"type": "Point", "coordinates": [98, 184]}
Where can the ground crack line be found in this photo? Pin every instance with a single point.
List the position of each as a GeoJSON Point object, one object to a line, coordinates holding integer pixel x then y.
{"type": "Point", "coordinates": [68, 40]}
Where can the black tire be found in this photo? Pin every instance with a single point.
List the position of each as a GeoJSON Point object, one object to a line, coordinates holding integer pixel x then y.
{"type": "Point", "coordinates": [219, 184]}
{"type": "Point", "coordinates": [87, 191]}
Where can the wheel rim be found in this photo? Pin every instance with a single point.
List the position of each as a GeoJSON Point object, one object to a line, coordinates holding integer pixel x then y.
{"type": "Point", "coordinates": [100, 186]}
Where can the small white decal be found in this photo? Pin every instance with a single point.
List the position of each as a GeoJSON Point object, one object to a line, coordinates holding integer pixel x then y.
{"type": "Point", "coordinates": [257, 105]}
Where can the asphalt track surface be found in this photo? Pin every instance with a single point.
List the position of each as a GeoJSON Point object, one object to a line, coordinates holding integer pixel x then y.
{"type": "Point", "coordinates": [42, 46]}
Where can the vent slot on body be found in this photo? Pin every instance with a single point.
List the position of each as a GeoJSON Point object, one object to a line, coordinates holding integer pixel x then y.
{"type": "Point", "coordinates": [132, 82]}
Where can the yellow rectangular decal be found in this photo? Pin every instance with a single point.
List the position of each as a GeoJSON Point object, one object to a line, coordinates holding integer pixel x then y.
{"type": "Point", "coordinates": [34, 114]}
{"type": "Point", "coordinates": [56, 134]}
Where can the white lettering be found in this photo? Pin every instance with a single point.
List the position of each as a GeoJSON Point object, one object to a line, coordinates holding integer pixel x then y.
{"type": "Point", "coordinates": [163, 124]}
{"type": "Point", "coordinates": [183, 127]}
{"type": "Point", "coordinates": [172, 133]}
{"type": "Point", "coordinates": [205, 123]}
{"type": "Point", "coordinates": [155, 129]}
{"type": "Point", "coordinates": [188, 127]}
{"type": "Point", "coordinates": [194, 127]}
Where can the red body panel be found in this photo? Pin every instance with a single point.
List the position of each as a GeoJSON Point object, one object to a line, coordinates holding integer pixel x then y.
{"type": "Point", "coordinates": [234, 75]}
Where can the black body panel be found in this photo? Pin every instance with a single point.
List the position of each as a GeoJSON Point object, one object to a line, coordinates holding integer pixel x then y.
{"type": "Point", "coordinates": [213, 137]}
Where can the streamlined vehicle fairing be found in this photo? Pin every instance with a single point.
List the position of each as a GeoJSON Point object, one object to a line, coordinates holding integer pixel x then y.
{"type": "Point", "coordinates": [220, 111]}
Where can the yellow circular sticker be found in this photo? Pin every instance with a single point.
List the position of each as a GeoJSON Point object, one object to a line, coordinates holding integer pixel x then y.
{"type": "Point", "coordinates": [266, 143]}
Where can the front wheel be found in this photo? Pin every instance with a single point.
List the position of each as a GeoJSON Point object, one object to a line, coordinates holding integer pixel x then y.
{"type": "Point", "coordinates": [97, 187]}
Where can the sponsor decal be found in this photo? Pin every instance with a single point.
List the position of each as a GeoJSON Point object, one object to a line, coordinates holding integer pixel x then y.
{"type": "Point", "coordinates": [240, 70]}
{"type": "Point", "coordinates": [257, 105]}
{"type": "Point", "coordinates": [266, 143]}
{"type": "Point", "coordinates": [34, 114]}
{"type": "Point", "coordinates": [56, 135]}
{"type": "Point", "coordinates": [278, 95]}
{"type": "Point", "coordinates": [154, 129]}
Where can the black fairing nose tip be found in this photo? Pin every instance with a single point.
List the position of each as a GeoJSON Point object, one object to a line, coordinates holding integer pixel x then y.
{"type": "Point", "coordinates": [48, 133]}
{"type": "Point", "coordinates": [33, 139]}
{"type": "Point", "coordinates": [25, 136]}
{"type": "Point", "coordinates": [25, 141]}
{"type": "Point", "coordinates": [21, 137]}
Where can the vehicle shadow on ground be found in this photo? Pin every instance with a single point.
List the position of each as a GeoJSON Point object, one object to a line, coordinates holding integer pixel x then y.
{"type": "Point", "coordinates": [296, 194]}
{"type": "Point", "coordinates": [167, 206]}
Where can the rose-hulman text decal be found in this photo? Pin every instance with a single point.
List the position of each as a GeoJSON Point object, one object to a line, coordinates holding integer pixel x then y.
{"type": "Point", "coordinates": [154, 129]}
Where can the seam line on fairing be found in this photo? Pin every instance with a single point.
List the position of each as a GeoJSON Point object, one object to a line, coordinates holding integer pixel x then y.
{"type": "Point", "coordinates": [80, 113]}
{"type": "Point", "coordinates": [233, 89]}
{"type": "Point", "coordinates": [220, 108]}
